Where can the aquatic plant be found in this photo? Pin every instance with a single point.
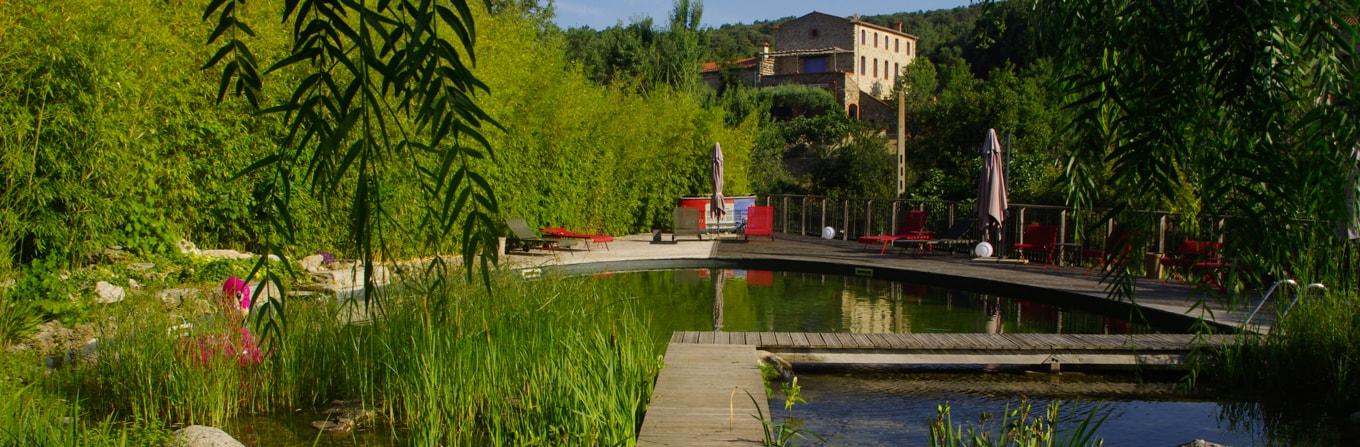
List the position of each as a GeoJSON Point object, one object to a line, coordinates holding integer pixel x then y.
{"type": "Point", "coordinates": [1017, 427]}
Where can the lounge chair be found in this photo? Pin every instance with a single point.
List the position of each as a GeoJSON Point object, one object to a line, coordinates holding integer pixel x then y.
{"type": "Point", "coordinates": [955, 235]}
{"type": "Point", "coordinates": [588, 238]}
{"type": "Point", "coordinates": [528, 239]}
{"type": "Point", "coordinates": [686, 222]}
{"type": "Point", "coordinates": [759, 222]}
{"type": "Point", "coordinates": [915, 229]}
{"type": "Point", "coordinates": [1199, 257]}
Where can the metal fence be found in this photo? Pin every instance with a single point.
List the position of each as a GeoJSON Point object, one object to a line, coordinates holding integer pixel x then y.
{"type": "Point", "coordinates": [855, 217]}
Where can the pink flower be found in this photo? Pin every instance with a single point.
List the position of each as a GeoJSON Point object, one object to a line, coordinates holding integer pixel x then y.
{"type": "Point", "coordinates": [236, 287]}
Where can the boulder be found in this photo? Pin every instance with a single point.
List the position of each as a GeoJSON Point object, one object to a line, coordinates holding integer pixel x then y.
{"type": "Point", "coordinates": [203, 436]}
{"type": "Point", "coordinates": [187, 248]}
{"type": "Point", "coordinates": [312, 264]}
{"type": "Point", "coordinates": [173, 298]}
{"type": "Point", "coordinates": [224, 254]}
{"type": "Point", "coordinates": [133, 284]}
{"type": "Point", "coordinates": [106, 293]}
{"type": "Point", "coordinates": [264, 291]}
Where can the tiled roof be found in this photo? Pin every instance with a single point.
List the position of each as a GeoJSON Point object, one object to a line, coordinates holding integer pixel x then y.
{"type": "Point", "coordinates": [711, 67]}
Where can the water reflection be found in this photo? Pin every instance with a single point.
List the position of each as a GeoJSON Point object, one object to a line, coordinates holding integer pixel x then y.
{"type": "Point", "coordinates": [762, 300]}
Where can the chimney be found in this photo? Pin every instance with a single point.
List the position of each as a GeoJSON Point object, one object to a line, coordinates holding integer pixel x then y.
{"type": "Point", "coordinates": [765, 50]}
{"type": "Point", "coordinates": [899, 26]}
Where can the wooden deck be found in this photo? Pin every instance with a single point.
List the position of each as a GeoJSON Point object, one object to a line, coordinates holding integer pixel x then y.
{"type": "Point", "coordinates": [1051, 350]}
{"type": "Point", "coordinates": [700, 398]}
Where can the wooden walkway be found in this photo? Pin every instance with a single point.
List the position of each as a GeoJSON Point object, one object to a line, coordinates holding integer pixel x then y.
{"type": "Point", "coordinates": [700, 398]}
{"type": "Point", "coordinates": [1051, 350]}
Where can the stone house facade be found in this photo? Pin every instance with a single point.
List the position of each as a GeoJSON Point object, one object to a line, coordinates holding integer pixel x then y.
{"type": "Point", "coordinates": [856, 60]}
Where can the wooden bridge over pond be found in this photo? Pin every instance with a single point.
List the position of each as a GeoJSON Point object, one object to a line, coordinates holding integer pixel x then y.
{"type": "Point", "coordinates": [1048, 350]}
{"type": "Point", "coordinates": [700, 395]}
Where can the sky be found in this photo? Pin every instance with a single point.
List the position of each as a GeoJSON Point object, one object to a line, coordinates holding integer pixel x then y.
{"type": "Point", "coordinates": [604, 13]}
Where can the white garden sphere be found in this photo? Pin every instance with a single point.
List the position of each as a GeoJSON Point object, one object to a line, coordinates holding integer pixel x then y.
{"type": "Point", "coordinates": [983, 250]}
{"type": "Point", "coordinates": [828, 233]}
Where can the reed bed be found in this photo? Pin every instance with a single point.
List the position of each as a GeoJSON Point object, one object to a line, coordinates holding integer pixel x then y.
{"type": "Point", "coordinates": [545, 362]}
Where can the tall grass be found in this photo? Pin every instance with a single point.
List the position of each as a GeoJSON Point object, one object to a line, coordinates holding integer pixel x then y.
{"type": "Point", "coordinates": [560, 362]}
{"type": "Point", "coordinates": [1313, 354]}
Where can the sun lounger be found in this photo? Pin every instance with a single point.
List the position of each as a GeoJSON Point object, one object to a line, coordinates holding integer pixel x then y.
{"type": "Point", "coordinates": [954, 236]}
{"type": "Point", "coordinates": [588, 238]}
{"type": "Point", "coordinates": [915, 229]}
{"type": "Point", "coordinates": [527, 238]}
{"type": "Point", "coordinates": [759, 222]}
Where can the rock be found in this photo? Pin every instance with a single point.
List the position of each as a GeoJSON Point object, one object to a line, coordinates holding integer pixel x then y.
{"type": "Point", "coordinates": [141, 266]}
{"type": "Point", "coordinates": [345, 416]}
{"type": "Point", "coordinates": [224, 254]}
{"type": "Point", "coordinates": [133, 284]}
{"type": "Point", "coordinates": [106, 293]}
{"type": "Point", "coordinates": [173, 298]}
{"type": "Point", "coordinates": [781, 366]}
{"type": "Point", "coordinates": [312, 264]}
{"type": "Point", "coordinates": [1201, 443]}
{"type": "Point", "coordinates": [266, 291]}
{"type": "Point", "coordinates": [203, 436]}
{"type": "Point", "coordinates": [188, 248]}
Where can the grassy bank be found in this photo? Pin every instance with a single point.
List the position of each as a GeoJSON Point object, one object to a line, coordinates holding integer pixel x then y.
{"type": "Point", "coordinates": [561, 362]}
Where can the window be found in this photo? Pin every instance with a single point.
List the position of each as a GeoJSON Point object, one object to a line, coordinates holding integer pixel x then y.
{"type": "Point", "coordinates": [897, 69]}
{"type": "Point", "coordinates": [885, 41]}
{"type": "Point", "coordinates": [861, 37]}
{"type": "Point", "coordinates": [875, 40]}
{"type": "Point", "coordinates": [885, 70]}
{"type": "Point", "coordinates": [897, 45]}
{"type": "Point", "coordinates": [813, 33]}
{"type": "Point", "coordinates": [875, 67]}
{"type": "Point", "coordinates": [861, 66]}
{"type": "Point", "coordinates": [908, 48]}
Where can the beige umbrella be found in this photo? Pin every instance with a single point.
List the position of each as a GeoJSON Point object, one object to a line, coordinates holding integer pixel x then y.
{"type": "Point", "coordinates": [716, 207]}
{"type": "Point", "coordinates": [992, 202]}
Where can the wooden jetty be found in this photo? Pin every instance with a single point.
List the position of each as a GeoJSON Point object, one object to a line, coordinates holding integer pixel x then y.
{"type": "Point", "coordinates": [1050, 350]}
{"type": "Point", "coordinates": [700, 395]}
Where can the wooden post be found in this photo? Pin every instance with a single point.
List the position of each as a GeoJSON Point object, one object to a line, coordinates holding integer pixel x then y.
{"type": "Point", "coordinates": [786, 215]}
{"type": "Point", "coordinates": [802, 217]}
{"type": "Point", "coordinates": [952, 207]}
{"type": "Point", "coordinates": [896, 203]}
{"type": "Point", "coordinates": [845, 224]}
{"type": "Point", "coordinates": [868, 216]}
{"type": "Point", "coordinates": [819, 228]}
{"type": "Point", "coordinates": [1062, 236]}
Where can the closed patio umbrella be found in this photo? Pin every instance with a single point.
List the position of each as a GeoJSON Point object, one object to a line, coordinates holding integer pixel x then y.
{"type": "Point", "coordinates": [716, 207]}
{"type": "Point", "coordinates": [991, 201]}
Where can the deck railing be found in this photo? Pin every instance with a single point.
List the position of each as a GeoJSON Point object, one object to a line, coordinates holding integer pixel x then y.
{"type": "Point", "coordinates": [855, 217]}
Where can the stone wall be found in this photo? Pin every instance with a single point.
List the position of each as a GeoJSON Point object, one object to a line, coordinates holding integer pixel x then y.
{"type": "Point", "coordinates": [881, 55]}
{"type": "Point", "coordinates": [815, 31]}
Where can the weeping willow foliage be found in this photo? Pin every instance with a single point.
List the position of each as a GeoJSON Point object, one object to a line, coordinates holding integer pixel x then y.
{"type": "Point", "coordinates": [1215, 108]}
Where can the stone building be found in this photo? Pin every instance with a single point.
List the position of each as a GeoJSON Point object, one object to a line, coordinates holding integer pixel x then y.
{"type": "Point", "coordinates": [856, 60]}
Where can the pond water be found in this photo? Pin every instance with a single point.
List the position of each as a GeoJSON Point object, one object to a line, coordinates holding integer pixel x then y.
{"type": "Point", "coordinates": [877, 406]}
{"type": "Point", "coordinates": [760, 300]}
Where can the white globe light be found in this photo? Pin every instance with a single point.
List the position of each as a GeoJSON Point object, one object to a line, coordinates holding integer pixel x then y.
{"type": "Point", "coordinates": [828, 233]}
{"type": "Point", "coordinates": [983, 250]}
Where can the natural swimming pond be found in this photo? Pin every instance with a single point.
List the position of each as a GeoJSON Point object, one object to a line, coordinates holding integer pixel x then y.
{"type": "Point", "coordinates": [876, 406]}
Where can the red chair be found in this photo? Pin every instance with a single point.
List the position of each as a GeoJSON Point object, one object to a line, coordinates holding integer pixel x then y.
{"type": "Point", "coordinates": [914, 229]}
{"type": "Point", "coordinates": [1198, 257]}
{"type": "Point", "coordinates": [559, 232]}
{"type": "Point", "coordinates": [1040, 240]}
{"type": "Point", "coordinates": [1116, 250]}
{"type": "Point", "coordinates": [759, 222]}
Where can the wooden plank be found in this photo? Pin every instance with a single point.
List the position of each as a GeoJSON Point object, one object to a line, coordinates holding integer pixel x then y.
{"type": "Point", "coordinates": [767, 339]}
{"type": "Point", "coordinates": [815, 340]}
{"type": "Point", "coordinates": [800, 340]}
{"type": "Point", "coordinates": [862, 341]}
{"type": "Point", "coordinates": [691, 403]}
{"type": "Point", "coordinates": [880, 341]}
{"type": "Point", "coordinates": [847, 341]}
{"type": "Point", "coordinates": [691, 337]}
{"type": "Point", "coordinates": [677, 337]}
{"type": "Point", "coordinates": [706, 337]}
{"type": "Point", "coordinates": [831, 340]}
